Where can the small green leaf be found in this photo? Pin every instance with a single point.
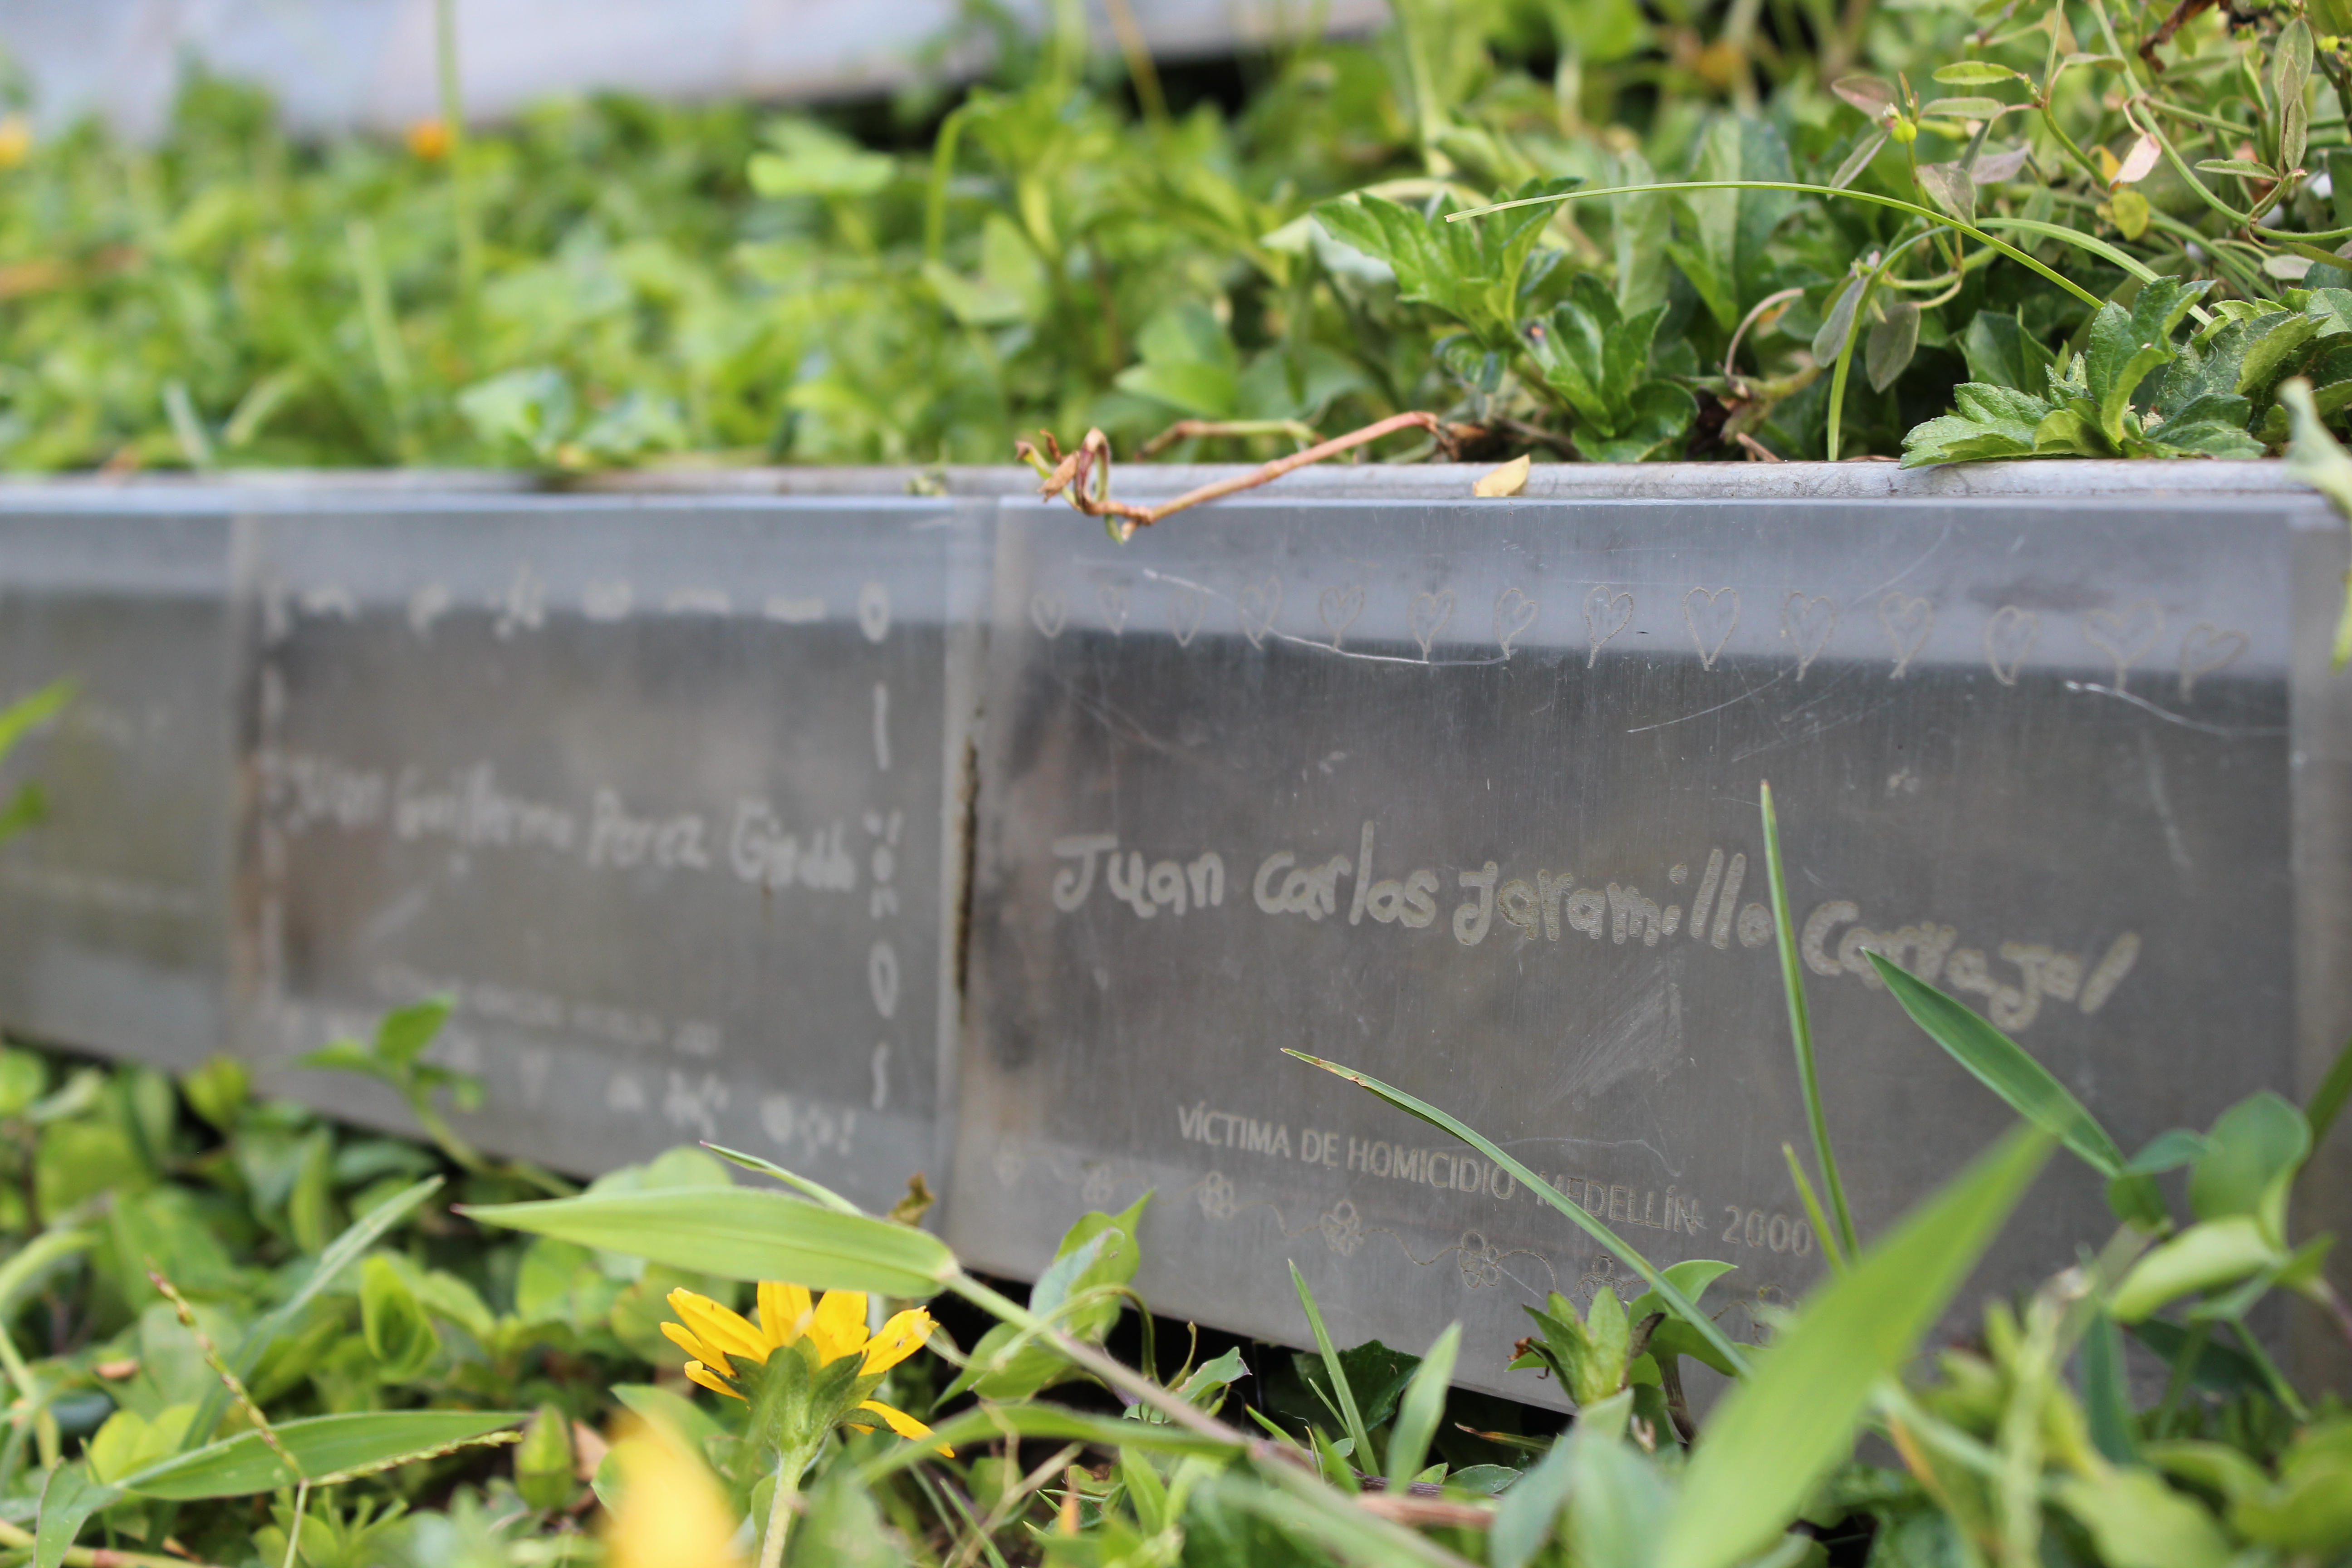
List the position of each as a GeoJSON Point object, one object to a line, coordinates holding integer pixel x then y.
{"type": "Point", "coordinates": [406, 1032]}
{"type": "Point", "coordinates": [1975, 73]}
{"type": "Point", "coordinates": [2202, 1258]}
{"type": "Point", "coordinates": [2255, 1147]}
{"type": "Point", "coordinates": [1349, 1416]}
{"type": "Point", "coordinates": [742, 1233]}
{"type": "Point", "coordinates": [1966, 108]}
{"type": "Point", "coordinates": [399, 1334]}
{"type": "Point", "coordinates": [2140, 1523]}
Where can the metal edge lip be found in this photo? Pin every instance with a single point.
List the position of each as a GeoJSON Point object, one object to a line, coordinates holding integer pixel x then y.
{"type": "Point", "coordinates": [2047, 478]}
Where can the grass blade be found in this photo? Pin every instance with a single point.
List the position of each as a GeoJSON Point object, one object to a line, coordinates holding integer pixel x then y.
{"type": "Point", "coordinates": [1349, 1416]}
{"type": "Point", "coordinates": [1775, 1435]}
{"type": "Point", "coordinates": [1812, 1203]}
{"type": "Point", "coordinates": [322, 1448]}
{"type": "Point", "coordinates": [1424, 1403]}
{"type": "Point", "coordinates": [742, 1233]}
{"type": "Point", "coordinates": [2001, 1065]}
{"type": "Point", "coordinates": [1800, 1028]}
{"type": "Point", "coordinates": [1668, 1290]}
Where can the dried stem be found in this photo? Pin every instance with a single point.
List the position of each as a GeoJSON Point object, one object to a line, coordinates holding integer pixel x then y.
{"type": "Point", "coordinates": [1069, 475]}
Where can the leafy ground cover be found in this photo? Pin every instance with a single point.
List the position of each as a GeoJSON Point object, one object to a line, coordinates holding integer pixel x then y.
{"type": "Point", "coordinates": [1786, 229]}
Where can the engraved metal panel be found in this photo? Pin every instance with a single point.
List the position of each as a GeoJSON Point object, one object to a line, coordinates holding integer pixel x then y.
{"type": "Point", "coordinates": [656, 790]}
{"type": "Point", "coordinates": [1466, 796]}
{"type": "Point", "coordinates": [114, 909]}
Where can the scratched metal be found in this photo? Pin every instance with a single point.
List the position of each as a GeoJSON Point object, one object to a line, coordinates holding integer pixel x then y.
{"type": "Point", "coordinates": [113, 910]}
{"type": "Point", "coordinates": [655, 789]}
{"type": "Point", "coordinates": [1465, 795]}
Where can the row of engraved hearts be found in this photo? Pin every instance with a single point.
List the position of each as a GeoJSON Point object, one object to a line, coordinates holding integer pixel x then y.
{"type": "Point", "coordinates": [1709, 615]}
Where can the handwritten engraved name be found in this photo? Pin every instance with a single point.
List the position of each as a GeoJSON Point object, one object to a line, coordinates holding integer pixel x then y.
{"type": "Point", "coordinates": [1931, 951]}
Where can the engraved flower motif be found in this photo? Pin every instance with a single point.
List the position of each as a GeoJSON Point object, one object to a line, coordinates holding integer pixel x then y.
{"type": "Point", "coordinates": [1342, 1228]}
{"type": "Point", "coordinates": [1218, 1200]}
{"type": "Point", "coordinates": [829, 1329]}
{"type": "Point", "coordinates": [1010, 1163]}
{"type": "Point", "coordinates": [1099, 1185]}
{"type": "Point", "coordinates": [1481, 1260]}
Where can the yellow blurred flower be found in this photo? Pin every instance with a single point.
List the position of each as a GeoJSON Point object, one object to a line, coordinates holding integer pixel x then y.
{"type": "Point", "coordinates": [16, 140]}
{"type": "Point", "coordinates": [672, 1513]}
{"type": "Point", "coordinates": [429, 139]}
{"type": "Point", "coordinates": [834, 1326]}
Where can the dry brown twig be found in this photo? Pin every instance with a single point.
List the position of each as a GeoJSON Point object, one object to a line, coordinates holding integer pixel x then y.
{"type": "Point", "coordinates": [1083, 474]}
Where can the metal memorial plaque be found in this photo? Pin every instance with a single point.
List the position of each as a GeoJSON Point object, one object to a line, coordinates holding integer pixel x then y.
{"type": "Point", "coordinates": [114, 909]}
{"type": "Point", "coordinates": [1466, 796]}
{"type": "Point", "coordinates": [654, 789]}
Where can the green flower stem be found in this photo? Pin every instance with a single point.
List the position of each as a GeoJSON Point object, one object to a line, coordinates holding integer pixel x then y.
{"type": "Point", "coordinates": [1898, 204]}
{"type": "Point", "coordinates": [1854, 337]}
{"type": "Point", "coordinates": [791, 1463]}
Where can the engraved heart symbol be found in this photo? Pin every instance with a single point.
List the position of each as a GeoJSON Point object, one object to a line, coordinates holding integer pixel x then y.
{"type": "Point", "coordinates": [1258, 604]}
{"type": "Point", "coordinates": [1714, 615]}
{"type": "Point", "coordinates": [1186, 606]}
{"type": "Point", "coordinates": [1048, 611]}
{"type": "Point", "coordinates": [1907, 622]}
{"type": "Point", "coordinates": [2008, 640]}
{"type": "Point", "coordinates": [1428, 616]}
{"type": "Point", "coordinates": [1514, 613]}
{"type": "Point", "coordinates": [1606, 613]}
{"type": "Point", "coordinates": [1808, 623]}
{"type": "Point", "coordinates": [1111, 599]}
{"type": "Point", "coordinates": [1338, 609]}
{"type": "Point", "coordinates": [2204, 648]}
{"type": "Point", "coordinates": [2124, 637]}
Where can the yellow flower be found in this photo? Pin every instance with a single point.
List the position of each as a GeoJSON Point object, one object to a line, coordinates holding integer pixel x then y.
{"type": "Point", "coordinates": [16, 140]}
{"type": "Point", "coordinates": [672, 1513]}
{"type": "Point", "coordinates": [716, 1337]}
{"type": "Point", "coordinates": [429, 139]}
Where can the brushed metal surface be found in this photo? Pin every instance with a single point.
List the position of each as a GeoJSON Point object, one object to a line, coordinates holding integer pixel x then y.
{"type": "Point", "coordinates": [114, 911]}
{"type": "Point", "coordinates": [656, 791]}
{"type": "Point", "coordinates": [1458, 795]}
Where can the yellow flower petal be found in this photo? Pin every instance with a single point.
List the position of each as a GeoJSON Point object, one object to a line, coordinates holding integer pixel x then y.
{"type": "Point", "coordinates": [901, 1337]}
{"type": "Point", "coordinates": [698, 1372]}
{"type": "Point", "coordinates": [671, 1509]}
{"type": "Point", "coordinates": [728, 1333]}
{"type": "Point", "coordinates": [783, 1312]}
{"type": "Point", "coordinates": [695, 1349]}
{"type": "Point", "coordinates": [904, 1424]}
{"type": "Point", "coordinates": [838, 1325]}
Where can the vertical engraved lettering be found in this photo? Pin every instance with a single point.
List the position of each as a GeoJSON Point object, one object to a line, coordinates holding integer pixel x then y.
{"type": "Point", "coordinates": [881, 727]}
{"type": "Point", "coordinates": [1165, 884]}
{"type": "Point", "coordinates": [1709, 880]}
{"type": "Point", "coordinates": [1587, 911]}
{"type": "Point", "coordinates": [1729, 900]}
{"type": "Point", "coordinates": [2109, 972]}
{"type": "Point", "coordinates": [1471, 920]}
{"type": "Point", "coordinates": [1631, 912]}
{"type": "Point", "coordinates": [1548, 890]}
{"type": "Point", "coordinates": [1363, 878]}
{"type": "Point", "coordinates": [1207, 876]}
{"type": "Point", "coordinates": [1125, 882]}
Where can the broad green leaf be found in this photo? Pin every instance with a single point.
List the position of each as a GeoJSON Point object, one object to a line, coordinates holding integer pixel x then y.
{"type": "Point", "coordinates": [2215, 1467]}
{"type": "Point", "coordinates": [742, 1233]}
{"type": "Point", "coordinates": [1619, 1508]}
{"type": "Point", "coordinates": [2202, 1258]}
{"type": "Point", "coordinates": [325, 1447]}
{"type": "Point", "coordinates": [1146, 1492]}
{"type": "Point", "coordinates": [1886, 354]}
{"type": "Point", "coordinates": [1773, 1437]}
{"type": "Point", "coordinates": [1668, 1290]}
{"type": "Point", "coordinates": [69, 1496]}
{"type": "Point", "coordinates": [1528, 1510]}
{"type": "Point", "coordinates": [1424, 1405]}
{"type": "Point", "coordinates": [2106, 1392]}
{"type": "Point", "coordinates": [2140, 1523]}
{"type": "Point", "coordinates": [2256, 1147]}
{"type": "Point", "coordinates": [2001, 1065]}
